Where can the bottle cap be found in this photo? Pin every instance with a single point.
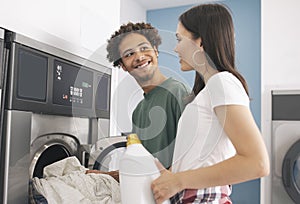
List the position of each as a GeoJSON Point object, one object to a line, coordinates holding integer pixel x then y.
{"type": "Point", "coordinates": [133, 139]}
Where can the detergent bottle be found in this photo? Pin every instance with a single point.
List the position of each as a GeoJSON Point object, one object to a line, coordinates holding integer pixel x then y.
{"type": "Point", "coordinates": [137, 170]}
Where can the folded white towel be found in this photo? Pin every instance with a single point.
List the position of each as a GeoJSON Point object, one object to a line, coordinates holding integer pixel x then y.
{"type": "Point", "coordinates": [66, 182]}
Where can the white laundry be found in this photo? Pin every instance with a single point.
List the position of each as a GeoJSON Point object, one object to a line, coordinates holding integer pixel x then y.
{"type": "Point", "coordinates": [66, 182]}
{"type": "Point", "coordinates": [63, 167]}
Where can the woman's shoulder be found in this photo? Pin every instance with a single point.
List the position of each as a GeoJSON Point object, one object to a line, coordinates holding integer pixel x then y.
{"type": "Point", "coordinates": [224, 78]}
{"type": "Point", "coordinates": [225, 88]}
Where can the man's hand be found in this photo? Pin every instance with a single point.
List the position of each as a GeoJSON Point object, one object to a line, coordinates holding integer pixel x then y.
{"type": "Point", "coordinates": [114, 174]}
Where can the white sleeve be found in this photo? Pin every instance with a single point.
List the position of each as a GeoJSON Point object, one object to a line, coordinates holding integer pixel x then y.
{"type": "Point", "coordinates": [226, 89]}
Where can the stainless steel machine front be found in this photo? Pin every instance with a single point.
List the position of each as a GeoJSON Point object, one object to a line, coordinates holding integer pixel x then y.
{"type": "Point", "coordinates": [54, 105]}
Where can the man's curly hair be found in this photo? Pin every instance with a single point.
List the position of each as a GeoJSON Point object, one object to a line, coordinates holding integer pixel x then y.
{"type": "Point", "coordinates": [145, 29]}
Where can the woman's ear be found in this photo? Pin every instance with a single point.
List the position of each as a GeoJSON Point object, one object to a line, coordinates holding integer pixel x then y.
{"type": "Point", "coordinates": [201, 45]}
{"type": "Point", "coordinates": [199, 42]}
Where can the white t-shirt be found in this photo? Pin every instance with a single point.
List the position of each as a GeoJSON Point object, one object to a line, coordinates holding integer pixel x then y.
{"type": "Point", "coordinates": [200, 139]}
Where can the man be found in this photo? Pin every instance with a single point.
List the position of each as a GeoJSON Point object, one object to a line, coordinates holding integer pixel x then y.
{"type": "Point", "coordinates": [134, 48]}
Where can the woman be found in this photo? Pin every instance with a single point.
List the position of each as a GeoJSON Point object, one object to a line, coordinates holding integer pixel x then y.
{"type": "Point", "coordinates": [218, 142]}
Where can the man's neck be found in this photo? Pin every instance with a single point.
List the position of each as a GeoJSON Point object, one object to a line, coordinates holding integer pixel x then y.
{"type": "Point", "coordinates": [151, 84]}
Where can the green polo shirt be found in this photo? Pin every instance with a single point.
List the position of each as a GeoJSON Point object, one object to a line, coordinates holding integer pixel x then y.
{"type": "Point", "coordinates": [155, 118]}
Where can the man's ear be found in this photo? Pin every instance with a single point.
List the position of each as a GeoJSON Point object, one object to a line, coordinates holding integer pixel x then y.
{"type": "Point", "coordinates": [123, 66]}
{"type": "Point", "coordinates": [155, 50]}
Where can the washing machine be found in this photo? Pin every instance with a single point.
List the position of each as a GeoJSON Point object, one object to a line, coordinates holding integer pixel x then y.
{"type": "Point", "coordinates": [56, 104]}
{"type": "Point", "coordinates": [285, 147]}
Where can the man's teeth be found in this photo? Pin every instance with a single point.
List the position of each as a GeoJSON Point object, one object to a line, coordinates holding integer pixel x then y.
{"type": "Point", "coordinates": [143, 65]}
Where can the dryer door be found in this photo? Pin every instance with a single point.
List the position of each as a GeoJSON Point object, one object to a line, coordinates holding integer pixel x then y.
{"type": "Point", "coordinates": [108, 153]}
{"type": "Point", "coordinates": [291, 171]}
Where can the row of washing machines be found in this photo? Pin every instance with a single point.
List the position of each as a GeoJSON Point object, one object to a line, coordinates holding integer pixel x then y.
{"type": "Point", "coordinates": [54, 104]}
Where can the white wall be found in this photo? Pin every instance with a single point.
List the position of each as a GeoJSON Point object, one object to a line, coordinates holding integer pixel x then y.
{"type": "Point", "coordinates": [131, 10]}
{"type": "Point", "coordinates": [78, 26]}
{"type": "Point", "coordinates": [86, 23]}
{"type": "Point", "coordinates": [280, 61]}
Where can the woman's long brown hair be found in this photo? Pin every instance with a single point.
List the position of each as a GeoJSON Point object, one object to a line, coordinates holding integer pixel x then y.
{"type": "Point", "coordinates": [213, 23]}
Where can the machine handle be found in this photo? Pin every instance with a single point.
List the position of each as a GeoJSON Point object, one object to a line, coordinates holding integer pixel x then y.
{"type": "Point", "coordinates": [286, 172]}
{"type": "Point", "coordinates": [105, 152]}
{"type": "Point", "coordinates": [85, 158]}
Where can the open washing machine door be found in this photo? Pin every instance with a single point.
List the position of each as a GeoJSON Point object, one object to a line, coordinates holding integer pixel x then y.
{"type": "Point", "coordinates": [106, 153]}
{"type": "Point", "coordinates": [51, 148]}
{"type": "Point", "coordinates": [291, 172]}
{"type": "Point", "coordinates": [45, 150]}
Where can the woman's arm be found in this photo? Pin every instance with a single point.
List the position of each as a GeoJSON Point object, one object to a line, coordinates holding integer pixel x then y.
{"type": "Point", "coordinates": [250, 162]}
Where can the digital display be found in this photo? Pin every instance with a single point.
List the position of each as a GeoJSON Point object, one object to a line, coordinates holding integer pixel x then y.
{"type": "Point", "coordinates": [103, 92]}
{"type": "Point", "coordinates": [72, 85]}
{"type": "Point", "coordinates": [32, 75]}
{"type": "Point", "coordinates": [286, 107]}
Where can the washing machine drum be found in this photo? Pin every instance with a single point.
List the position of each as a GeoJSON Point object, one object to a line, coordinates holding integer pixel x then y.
{"type": "Point", "coordinates": [51, 148]}
{"type": "Point", "coordinates": [291, 172]}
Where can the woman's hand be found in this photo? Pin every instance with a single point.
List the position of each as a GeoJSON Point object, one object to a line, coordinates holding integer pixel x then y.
{"type": "Point", "coordinates": [165, 186]}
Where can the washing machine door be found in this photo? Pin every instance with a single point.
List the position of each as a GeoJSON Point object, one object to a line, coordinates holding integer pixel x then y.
{"type": "Point", "coordinates": [51, 148]}
{"type": "Point", "coordinates": [291, 171]}
{"type": "Point", "coordinates": [108, 153]}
